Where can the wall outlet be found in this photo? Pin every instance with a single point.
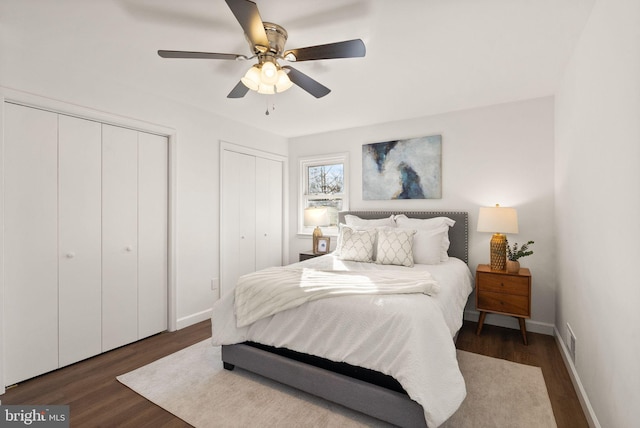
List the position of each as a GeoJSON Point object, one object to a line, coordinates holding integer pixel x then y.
{"type": "Point", "coordinates": [571, 343]}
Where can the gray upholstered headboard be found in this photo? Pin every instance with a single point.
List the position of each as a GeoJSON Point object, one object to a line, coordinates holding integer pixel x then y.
{"type": "Point", "coordinates": [458, 234]}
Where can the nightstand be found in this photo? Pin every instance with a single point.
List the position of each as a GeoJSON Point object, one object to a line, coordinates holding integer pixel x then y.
{"type": "Point", "coordinates": [307, 255]}
{"type": "Point", "coordinates": [503, 293]}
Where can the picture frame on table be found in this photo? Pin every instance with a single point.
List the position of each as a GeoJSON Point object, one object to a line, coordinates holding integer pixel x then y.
{"type": "Point", "coordinates": [322, 245]}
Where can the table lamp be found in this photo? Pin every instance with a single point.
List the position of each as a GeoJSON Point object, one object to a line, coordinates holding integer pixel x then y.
{"type": "Point", "coordinates": [316, 216]}
{"type": "Point", "coordinates": [498, 220]}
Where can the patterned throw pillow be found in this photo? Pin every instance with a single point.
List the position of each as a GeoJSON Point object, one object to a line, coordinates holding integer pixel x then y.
{"type": "Point", "coordinates": [395, 247]}
{"type": "Point", "coordinates": [357, 245]}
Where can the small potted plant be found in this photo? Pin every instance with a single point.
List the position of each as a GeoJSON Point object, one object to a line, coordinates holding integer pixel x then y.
{"type": "Point", "coordinates": [514, 253]}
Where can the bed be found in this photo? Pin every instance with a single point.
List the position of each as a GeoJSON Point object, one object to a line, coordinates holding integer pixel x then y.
{"type": "Point", "coordinates": [348, 360]}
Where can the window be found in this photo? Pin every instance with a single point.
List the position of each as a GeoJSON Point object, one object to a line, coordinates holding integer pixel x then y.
{"type": "Point", "coordinates": [324, 184]}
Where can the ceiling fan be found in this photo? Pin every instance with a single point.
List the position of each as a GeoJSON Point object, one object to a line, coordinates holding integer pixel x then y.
{"type": "Point", "coordinates": [267, 41]}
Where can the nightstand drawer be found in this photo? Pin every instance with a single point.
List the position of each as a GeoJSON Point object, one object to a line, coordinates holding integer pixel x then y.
{"type": "Point", "coordinates": [498, 283]}
{"type": "Point", "coordinates": [505, 303]}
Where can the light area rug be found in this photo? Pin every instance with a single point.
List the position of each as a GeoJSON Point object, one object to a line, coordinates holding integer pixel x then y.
{"type": "Point", "coordinates": [192, 385]}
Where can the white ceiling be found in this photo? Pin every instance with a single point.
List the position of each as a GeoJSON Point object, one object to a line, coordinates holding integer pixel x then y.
{"type": "Point", "coordinates": [423, 56]}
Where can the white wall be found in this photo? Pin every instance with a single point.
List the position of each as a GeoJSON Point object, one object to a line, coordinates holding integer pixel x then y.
{"type": "Point", "coordinates": [598, 210]}
{"type": "Point", "coordinates": [198, 134]}
{"type": "Point", "coordinates": [499, 154]}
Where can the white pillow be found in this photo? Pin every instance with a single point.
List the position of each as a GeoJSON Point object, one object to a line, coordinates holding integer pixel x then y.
{"type": "Point", "coordinates": [424, 243]}
{"type": "Point", "coordinates": [353, 220]}
{"type": "Point", "coordinates": [428, 246]}
{"type": "Point", "coordinates": [357, 245]}
{"type": "Point", "coordinates": [395, 247]}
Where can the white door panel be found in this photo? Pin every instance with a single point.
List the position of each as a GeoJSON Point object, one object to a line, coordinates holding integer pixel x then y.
{"type": "Point", "coordinates": [269, 213]}
{"type": "Point", "coordinates": [30, 242]}
{"type": "Point", "coordinates": [247, 214]}
{"type": "Point", "coordinates": [80, 278]}
{"type": "Point", "coordinates": [119, 236]}
{"type": "Point", "coordinates": [237, 218]}
{"type": "Point", "coordinates": [152, 233]}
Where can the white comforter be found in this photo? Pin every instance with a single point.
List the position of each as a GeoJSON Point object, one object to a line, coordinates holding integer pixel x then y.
{"type": "Point", "coordinates": [269, 291]}
{"type": "Point", "coordinates": [408, 337]}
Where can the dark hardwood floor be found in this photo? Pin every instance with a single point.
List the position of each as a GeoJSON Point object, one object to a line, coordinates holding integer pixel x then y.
{"type": "Point", "coordinates": [97, 399]}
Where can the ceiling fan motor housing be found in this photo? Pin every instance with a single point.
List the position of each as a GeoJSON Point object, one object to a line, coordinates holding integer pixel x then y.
{"type": "Point", "coordinates": [277, 37]}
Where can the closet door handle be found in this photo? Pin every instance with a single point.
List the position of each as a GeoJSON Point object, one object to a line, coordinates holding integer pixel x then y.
{"type": "Point", "coordinates": [71, 255]}
{"type": "Point", "coordinates": [129, 249]}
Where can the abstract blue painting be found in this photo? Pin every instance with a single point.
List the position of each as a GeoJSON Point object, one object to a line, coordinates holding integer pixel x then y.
{"type": "Point", "coordinates": [402, 169]}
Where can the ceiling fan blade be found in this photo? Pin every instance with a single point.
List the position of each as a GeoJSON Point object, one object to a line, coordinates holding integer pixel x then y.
{"type": "Point", "coordinates": [247, 14]}
{"type": "Point", "coordinates": [238, 91]}
{"type": "Point", "coordinates": [199, 55]}
{"type": "Point", "coordinates": [347, 49]}
{"type": "Point", "coordinates": [307, 83]}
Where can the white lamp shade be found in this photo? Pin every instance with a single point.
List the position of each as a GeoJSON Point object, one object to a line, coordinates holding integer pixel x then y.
{"type": "Point", "coordinates": [252, 78]}
{"type": "Point", "coordinates": [284, 82]}
{"type": "Point", "coordinates": [317, 216]}
{"type": "Point", "coordinates": [498, 220]}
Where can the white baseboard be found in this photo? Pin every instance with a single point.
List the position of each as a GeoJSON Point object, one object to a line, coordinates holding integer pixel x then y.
{"type": "Point", "coordinates": [511, 322]}
{"type": "Point", "coordinates": [592, 420]}
{"type": "Point", "coordinates": [193, 319]}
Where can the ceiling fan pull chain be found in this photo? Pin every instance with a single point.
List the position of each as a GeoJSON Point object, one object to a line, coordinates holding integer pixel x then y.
{"type": "Point", "coordinates": [273, 106]}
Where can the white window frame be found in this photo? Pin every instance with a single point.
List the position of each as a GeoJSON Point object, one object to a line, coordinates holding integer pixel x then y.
{"type": "Point", "coordinates": [303, 194]}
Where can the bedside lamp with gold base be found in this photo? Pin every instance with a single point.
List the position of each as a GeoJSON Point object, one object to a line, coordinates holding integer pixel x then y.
{"type": "Point", "coordinates": [498, 220]}
{"type": "Point", "coordinates": [317, 216]}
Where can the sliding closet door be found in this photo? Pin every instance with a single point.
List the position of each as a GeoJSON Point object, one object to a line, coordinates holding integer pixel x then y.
{"type": "Point", "coordinates": [30, 242]}
{"type": "Point", "coordinates": [268, 213]}
{"type": "Point", "coordinates": [119, 236]}
{"type": "Point", "coordinates": [153, 152]}
{"type": "Point", "coordinates": [79, 225]}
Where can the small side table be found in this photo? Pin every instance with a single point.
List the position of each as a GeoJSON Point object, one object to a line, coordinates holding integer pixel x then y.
{"type": "Point", "coordinates": [307, 255]}
{"type": "Point", "coordinates": [503, 293]}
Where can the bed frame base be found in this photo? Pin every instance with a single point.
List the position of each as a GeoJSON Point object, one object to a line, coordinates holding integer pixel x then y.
{"type": "Point", "coordinates": [382, 403]}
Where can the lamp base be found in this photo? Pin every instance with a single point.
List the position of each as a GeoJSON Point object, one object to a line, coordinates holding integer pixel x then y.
{"type": "Point", "coordinates": [317, 233]}
{"type": "Point", "coordinates": [498, 251]}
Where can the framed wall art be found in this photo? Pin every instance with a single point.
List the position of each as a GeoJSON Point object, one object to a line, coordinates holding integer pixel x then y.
{"type": "Point", "coordinates": [402, 169]}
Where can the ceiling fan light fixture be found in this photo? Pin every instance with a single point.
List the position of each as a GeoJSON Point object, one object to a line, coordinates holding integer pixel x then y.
{"type": "Point", "coordinates": [283, 82]}
{"type": "Point", "coordinates": [269, 73]}
{"type": "Point", "coordinates": [252, 78]}
{"type": "Point", "coordinates": [266, 42]}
